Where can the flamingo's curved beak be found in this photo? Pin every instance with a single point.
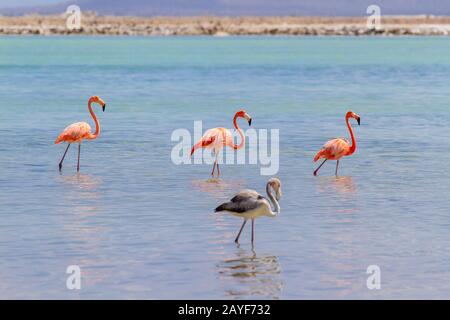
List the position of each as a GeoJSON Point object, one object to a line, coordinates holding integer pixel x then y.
{"type": "Point", "coordinates": [250, 121]}
{"type": "Point", "coordinates": [359, 121]}
{"type": "Point", "coordinates": [103, 107]}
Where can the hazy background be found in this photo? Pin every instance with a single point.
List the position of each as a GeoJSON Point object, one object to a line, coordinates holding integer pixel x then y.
{"type": "Point", "coordinates": [230, 7]}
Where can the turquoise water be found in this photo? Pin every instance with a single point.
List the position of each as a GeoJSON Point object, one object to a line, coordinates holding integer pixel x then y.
{"type": "Point", "coordinates": [141, 227]}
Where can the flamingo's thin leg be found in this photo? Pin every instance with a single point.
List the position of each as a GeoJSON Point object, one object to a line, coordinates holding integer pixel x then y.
{"type": "Point", "coordinates": [253, 230]}
{"type": "Point", "coordinates": [216, 164]}
{"type": "Point", "coordinates": [337, 165]}
{"type": "Point", "coordinates": [214, 167]}
{"type": "Point", "coordinates": [315, 172]}
{"type": "Point", "coordinates": [78, 164]}
{"type": "Point", "coordinates": [240, 231]}
{"type": "Point", "coordinates": [62, 159]}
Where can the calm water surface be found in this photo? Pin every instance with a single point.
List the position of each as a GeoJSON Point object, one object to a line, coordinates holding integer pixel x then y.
{"type": "Point", "coordinates": [141, 227]}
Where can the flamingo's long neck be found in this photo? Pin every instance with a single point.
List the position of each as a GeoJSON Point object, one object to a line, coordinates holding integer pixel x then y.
{"type": "Point", "coordinates": [274, 201]}
{"type": "Point", "coordinates": [97, 124]}
{"type": "Point", "coordinates": [353, 146]}
{"type": "Point", "coordinates": [241, 134]}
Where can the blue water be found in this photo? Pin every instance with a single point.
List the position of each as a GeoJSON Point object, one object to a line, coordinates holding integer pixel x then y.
{"type": "Point", "coordinates": [141, 227]}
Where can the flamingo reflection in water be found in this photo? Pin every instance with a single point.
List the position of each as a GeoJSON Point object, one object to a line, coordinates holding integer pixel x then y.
{"type": "Point", "coordinates": [343, 185]}
{"type": "Point", "coordinates": [79, 218]}
{"type": "Point", "coordinates": [251, 276]}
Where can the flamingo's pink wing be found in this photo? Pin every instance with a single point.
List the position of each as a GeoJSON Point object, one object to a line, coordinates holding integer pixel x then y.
{"type": "Point", "coordinates": [213, 138]}
{"type": "Point", "coordinates": [336, 148]}
{"type": "Point", "coordinates": [209, 137]}
{"type": "Point", "coordinates": [74, 132]}
{"type": "Point", "coordinates": [217, 136]}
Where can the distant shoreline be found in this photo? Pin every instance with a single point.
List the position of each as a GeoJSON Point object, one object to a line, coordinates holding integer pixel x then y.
{"type": "Point", "coordinates": [92, 24]}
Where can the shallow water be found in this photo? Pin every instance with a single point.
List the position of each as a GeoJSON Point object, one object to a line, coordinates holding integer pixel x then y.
{"type": "Point", "coordinates": [141, 227]}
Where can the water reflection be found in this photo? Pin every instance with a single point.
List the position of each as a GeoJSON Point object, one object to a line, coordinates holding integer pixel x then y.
{"type": "Point", "coordinates": [343, 185]}
{"type": "Point", "coordinates": [249, 275]}
{"type": "Point", "coordinates": [218, 187]}
{"type": "Point", "coordinates": [83, 181]}
{"type": "Point", "coordinates": [80, 212]}
{"type": "Point", "coordinates": [81, 195]}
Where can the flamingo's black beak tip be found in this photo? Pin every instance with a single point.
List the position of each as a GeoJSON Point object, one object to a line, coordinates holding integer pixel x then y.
{"type": "Point", "coordinates": [103, 107]}
{"type": "Point", "coordinates": [359, 121]}
{"type": "Point", "coordinates": [250, 122]}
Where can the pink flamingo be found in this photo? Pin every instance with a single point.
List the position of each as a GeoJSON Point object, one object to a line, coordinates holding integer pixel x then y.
{"type": "Point", "coordinates": [77, 132]}
{"type": "Point", "coordinates": [217, 138]}
{"type": "Point", "coordinates": [337, 148]}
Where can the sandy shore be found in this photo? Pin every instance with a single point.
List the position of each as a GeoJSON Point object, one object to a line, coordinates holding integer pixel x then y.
{"type": "Point", "coordinates": [223, 26]}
